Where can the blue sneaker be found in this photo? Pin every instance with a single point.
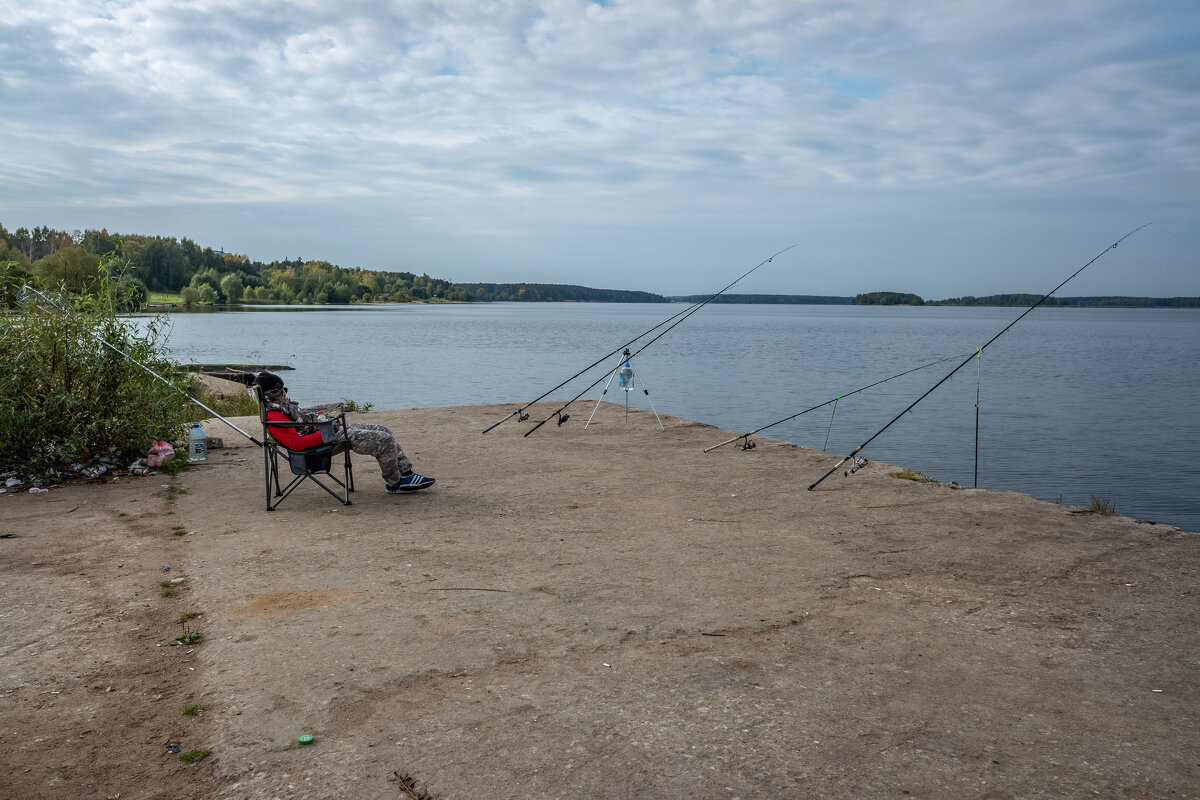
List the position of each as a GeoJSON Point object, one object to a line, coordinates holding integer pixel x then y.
{"type": "Point", "coordinates": [409, 483]}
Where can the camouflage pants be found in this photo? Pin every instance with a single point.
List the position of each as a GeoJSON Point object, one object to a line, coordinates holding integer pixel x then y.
{"type": "Point", "coordinates": [378, 441]}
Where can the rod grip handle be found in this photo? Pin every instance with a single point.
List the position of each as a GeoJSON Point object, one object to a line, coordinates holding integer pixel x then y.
{"type": "Point", "coordinates": [813, 485]}
{"type": "Point", "coordinates": [727, 441]}
{"type": "Point", "coordinates": [540, 424]}
{"type": "Point", "coordinates": [501, 422]}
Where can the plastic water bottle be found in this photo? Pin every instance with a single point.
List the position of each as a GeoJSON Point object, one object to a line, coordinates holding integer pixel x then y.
{"type": "Point", "coordinates": [625, 377]}
{"type": "Point", "coordinates": [197, 444]}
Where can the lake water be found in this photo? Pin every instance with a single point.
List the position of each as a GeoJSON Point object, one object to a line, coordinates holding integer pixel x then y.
{"type": "Point", "coordinates": [1072, 401]}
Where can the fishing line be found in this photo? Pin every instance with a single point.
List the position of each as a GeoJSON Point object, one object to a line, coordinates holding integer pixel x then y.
{"type": "Point", "coordinates": [830, 428]}
{"type": "Point", "coordinates": [949, 375]}
{"type": "Point", "coordinates": [1180, 238]}
{"type": "Point", "coordinates": [682, 316]}
{"type": "Point", "coordinates": [133, 360]}
{"type": "Point", "coordinates": [827, 402]}
{"type": "Point", "coordinates": [978, 382]}
{"type": "Point", "coordinates": [519, 413]}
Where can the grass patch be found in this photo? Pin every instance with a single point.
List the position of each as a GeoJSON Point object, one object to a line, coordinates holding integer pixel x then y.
{"type": "Point", "coordinates": [912, 475]}
{"type": "Point", "coordinates": [192, 614]}
{"type": "Point", "coordinates": [165, 298]}
{"type": "Point", "coordinates": [239, 405]}
{"type": "Point", "coordinates": [192, 756]}
{"type": "Point", "coordinates": [176, 465]}
{"type": "Point", "coordinates": [194, 710]}
{"type": "Point", "coordinates": [188, 636]}
{"type": "Point", "coordinates": [168, 591]}
{"type": "Point", "coordinates": [349, 405]}
{"type": "Point", "coordinates": [179, 530]}
{"type": "Point", "coordinates": [1102, 505]}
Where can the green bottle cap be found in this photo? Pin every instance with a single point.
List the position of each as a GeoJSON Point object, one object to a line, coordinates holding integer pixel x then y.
{"type": "Point", "coordinates": [305, 738]}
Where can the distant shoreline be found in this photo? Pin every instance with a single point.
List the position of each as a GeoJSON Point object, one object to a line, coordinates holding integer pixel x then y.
{"type": "Point", "coordinates": [994, 301]}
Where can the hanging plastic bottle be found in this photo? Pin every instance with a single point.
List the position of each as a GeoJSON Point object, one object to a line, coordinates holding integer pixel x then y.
{"type": "Point", "coordinates": [625, 377]}
{"type": "Point", "coordinates": [197, 444]}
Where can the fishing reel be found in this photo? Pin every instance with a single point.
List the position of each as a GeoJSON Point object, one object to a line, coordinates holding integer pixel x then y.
{"type": "Point", "coordinates": [522, 417]}
{"type": "Point", "coordinates": [747, 444]}
{"type": "Point", "coordinates": [563, 418]}
{"type": "Point", "coordinates": [859, 463]}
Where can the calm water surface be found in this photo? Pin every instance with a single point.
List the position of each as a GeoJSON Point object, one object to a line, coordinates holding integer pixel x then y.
{"type": "Point", "coordinates": [1073, 401]}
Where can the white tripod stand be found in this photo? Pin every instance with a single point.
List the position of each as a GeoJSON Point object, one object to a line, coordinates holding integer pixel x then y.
{"type": "Point", "coordinates": [625, 380]}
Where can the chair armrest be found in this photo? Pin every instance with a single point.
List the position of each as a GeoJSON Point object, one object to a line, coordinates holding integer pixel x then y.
{"type": "Point", "coordinates": [273, 424]}
{"type": "Point", "coordinates": [327, 430]}
{"type": "Point", "coordinates": [326, 408]}
{"type": "Point", "coordinates": [328, 411]}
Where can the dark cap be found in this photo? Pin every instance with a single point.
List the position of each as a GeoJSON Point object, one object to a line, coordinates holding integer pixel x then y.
{"type": "Point", "coordinates": [268, 381]}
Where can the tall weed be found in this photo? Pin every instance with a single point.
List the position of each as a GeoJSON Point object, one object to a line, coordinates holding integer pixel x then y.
{"type": "Point", "coordinates": [1102, 505]}
{"type": "Point", "coordinates": [66, 397]}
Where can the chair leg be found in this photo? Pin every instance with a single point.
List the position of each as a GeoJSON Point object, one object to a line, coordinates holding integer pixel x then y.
{"type": "Point", "coordinates": [275, 490]}
{"type": "Point", "coordinates": [287, 490]}
{"type": "Point", "coordinates": [343, 499]}
{"type": "Point", "coordinates": [269, 473]}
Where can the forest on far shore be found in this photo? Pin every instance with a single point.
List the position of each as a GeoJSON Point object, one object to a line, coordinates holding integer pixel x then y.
{"type": "Point", "coordinates": [1113, 301]}
{"type": "Point", "coordinates": [203, 276]}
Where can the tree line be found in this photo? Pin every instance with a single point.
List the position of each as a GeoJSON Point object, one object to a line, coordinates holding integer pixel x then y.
{"type": "Point", "coordinates": [143, 264]}
{"type": "Point", "coordinates": [768, 299]}
{"type": "Point", "coordinates": [200, 275]}
{"type": "Point", "coordinates": [1020, 299]}
{"type": "Point", "coordinates": [1104, 301]}
{"type": "Point", "coordinates": [555, 292]}
{"type": "Point", "coordinates": [887, 299]}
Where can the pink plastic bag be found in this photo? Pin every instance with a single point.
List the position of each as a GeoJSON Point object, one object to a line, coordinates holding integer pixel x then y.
{"type": "Point", "coordinates": [160, 453]}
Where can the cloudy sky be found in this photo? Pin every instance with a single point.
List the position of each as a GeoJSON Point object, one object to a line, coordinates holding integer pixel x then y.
{"type": "Point", "coordinates": [943, 148]}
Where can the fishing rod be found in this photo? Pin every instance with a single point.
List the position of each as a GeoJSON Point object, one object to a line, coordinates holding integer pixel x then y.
{"type": "Point", "coordinates": [519, 413]}
{"type": "Point", "coordinates": [827, 402]}
{"type": "Point", "coordinates": [978, 353]}
{"type": "Point", "coordinates": [692, 310]}
{"type": "Point", "coordinates": [133, 360]}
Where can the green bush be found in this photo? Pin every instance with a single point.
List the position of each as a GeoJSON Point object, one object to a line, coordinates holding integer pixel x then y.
{"type": "Point", "coordinates": [12, 276]}
{"type": "Point", "coordinates": [73, 268]}
{"type": "Point", "coordinates": [66, 397]}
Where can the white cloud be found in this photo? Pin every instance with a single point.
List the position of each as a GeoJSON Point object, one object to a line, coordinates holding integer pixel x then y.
{"type": "Point", "coordinates": [577, 110]}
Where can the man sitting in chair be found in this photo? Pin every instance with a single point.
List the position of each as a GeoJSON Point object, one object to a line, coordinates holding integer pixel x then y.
{"type": "Point", "coordinates": [370, 440]}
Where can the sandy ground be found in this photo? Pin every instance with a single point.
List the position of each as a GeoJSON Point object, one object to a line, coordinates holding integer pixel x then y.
{"type": "Point", "coordinates": [600, 613]}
